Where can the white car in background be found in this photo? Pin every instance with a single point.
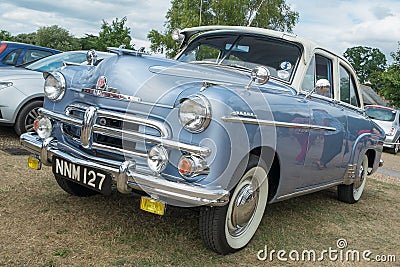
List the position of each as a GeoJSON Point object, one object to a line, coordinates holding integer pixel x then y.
{"type": "Point", "coordinates": [21, 88]}
{"type": "Point", "coordinates": [388, 119]}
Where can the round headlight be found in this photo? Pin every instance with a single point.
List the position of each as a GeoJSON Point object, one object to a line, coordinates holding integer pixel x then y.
{"type": "Point", "coordinates": [54, 86]}
{"type": "Point", "coordinates": [195, 114]}
{"type": "Point", "coordinates": [43, 127]}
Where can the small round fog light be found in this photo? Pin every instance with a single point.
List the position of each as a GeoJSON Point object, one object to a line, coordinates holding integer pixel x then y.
{"type": "Point", "coordinates": [157, 158]}
{"type": "Point", "coordinates": [43, 127]}
{"type": "Point", "coordinates": [186, 166]}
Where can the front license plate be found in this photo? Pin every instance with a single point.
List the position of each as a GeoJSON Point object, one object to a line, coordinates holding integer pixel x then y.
{"type": "Point", "coordinates": [151, 205]}
{"type": "Point", "coordinates": [92, 178]}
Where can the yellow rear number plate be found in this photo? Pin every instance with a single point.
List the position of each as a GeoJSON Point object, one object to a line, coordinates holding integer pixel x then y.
{"type": "Point", "coordinates": [151, 205]}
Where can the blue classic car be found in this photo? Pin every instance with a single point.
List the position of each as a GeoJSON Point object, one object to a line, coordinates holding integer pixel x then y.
{"type": "Point", "coordinates": [243, 117]}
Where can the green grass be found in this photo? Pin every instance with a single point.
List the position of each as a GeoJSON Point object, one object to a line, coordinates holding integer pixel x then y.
{"type": "Point", "coordinates": [63, 230]}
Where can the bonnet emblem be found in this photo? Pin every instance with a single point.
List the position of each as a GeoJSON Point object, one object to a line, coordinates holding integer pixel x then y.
{"type": "Point", "coordinates": [102, 83]}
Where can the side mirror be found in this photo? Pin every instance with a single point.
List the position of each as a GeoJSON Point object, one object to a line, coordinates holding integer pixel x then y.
{"type": "Point", "coordinates": [177, 36]}
{"type": "Point", "coordinates": [321, 87]}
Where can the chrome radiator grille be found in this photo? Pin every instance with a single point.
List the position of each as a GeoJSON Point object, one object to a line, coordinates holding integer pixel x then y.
{"type": "Point", "coordinates": [106, 131]}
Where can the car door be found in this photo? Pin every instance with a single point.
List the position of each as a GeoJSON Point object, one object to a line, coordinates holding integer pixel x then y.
{"type": "Point", "coordinates": [350, 101]}
{"type": "Point", "coordinates": [324, 158]}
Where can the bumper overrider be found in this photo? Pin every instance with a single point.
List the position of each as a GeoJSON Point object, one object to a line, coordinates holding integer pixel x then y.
{"type": "Point", "coordinates": [125, 174]}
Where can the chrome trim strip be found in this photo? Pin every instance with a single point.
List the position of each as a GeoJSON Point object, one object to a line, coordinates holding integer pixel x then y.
{"type": "Point", "coordinates": [309, 190]}
{"type": "Point", "coordinates": [276, 123]}
{"type": "Point", "coordinates": [117, 150]}
{"type": "Point", "coordinates": [61, 117]}
{"type": "Point", "coordinates": [99, 129]}
{"type": "Point", "coordinates": [129, 118]}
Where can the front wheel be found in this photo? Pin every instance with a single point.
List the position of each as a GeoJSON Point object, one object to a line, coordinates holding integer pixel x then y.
{"type": "Point", "coordinates": [230, 228]}
{"type": "Point", "coordinates": [27, 116]}
{"type": "Point", "coordinates": [352, 193]}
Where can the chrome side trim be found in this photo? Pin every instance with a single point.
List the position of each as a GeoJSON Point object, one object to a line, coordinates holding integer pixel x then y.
{"type": "Point", "coordinates": [276, 123]}
{"type": "Point", "coordinates": [309, 190]}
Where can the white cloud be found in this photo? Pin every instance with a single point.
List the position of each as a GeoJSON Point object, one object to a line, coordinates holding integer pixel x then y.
{"type": "Point", "coordinates": [337, 24]}
{"type": "Point", "coordinates": [341, 24]}
{"type": "Point", "coordinates": [83, 17]}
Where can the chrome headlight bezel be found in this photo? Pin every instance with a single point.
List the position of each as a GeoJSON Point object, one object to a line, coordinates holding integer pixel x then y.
{"type": "Point", "coordinates": [54, 86]}
{"type": "Point", "coordinates": [195, 113]}
{"type": "Point", "coordinates": [43, 127]}
{"type": "Point", "coordinates": [5, 84]}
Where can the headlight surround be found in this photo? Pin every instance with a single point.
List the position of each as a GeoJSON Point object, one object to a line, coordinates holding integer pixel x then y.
{"type": "Point", "coordinates": [5, 84]}
{"type": "Point", "coordinates": [195, 114]}
{"type": "Point", "coordinates": [54, 86]}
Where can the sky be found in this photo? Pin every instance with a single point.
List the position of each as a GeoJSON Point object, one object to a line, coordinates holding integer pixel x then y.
{"type": "Point", "coordinates": [335, 24]}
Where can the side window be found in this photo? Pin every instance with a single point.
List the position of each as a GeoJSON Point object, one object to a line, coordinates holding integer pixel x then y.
{"type": "Point", "coordinates": [11, 58]}
{"type": "Point", "coordinates": [323, 70]}
{"type": "Point", "coordinates": [309, 79]}
{"type": "Point", "coordinates": [33, 54]}
{"type": "Point", "coordinates": [348, 89]}
{"type": "Point", "coordinates": [320, 68]}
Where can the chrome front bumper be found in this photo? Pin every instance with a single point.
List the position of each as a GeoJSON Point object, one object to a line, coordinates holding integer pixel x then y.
{"type": "Point", "coordinates": [126, 176]}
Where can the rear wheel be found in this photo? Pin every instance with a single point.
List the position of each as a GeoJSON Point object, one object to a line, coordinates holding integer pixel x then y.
{"type": "Point", "coordinates": [230, 228]}
{"type": "Point", "coordinates": [74, 188]}
{"type": "Point", "coordinates": [352, 193]}
{"type": "Point", "coordinates": [27, 116]}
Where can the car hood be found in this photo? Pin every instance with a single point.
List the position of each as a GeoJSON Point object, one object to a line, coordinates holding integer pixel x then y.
{"type": "Point", "coordinates": [14, 73]}
{"type": "Point", "coordinates": [157, 80]}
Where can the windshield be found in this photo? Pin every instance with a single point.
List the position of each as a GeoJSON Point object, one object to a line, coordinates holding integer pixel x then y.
{"type": "Point", "coordinates": [54, 62]}
{"type": "Point", "coordinates": [244, 51]}
{"type": "Point", "coordinates": [382, 114]}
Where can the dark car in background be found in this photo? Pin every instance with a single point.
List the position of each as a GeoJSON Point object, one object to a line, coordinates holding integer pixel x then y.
{"type": "Point", "coordinates": [13, 53]}
{"type": "Point", "coordinates": [388, 119]}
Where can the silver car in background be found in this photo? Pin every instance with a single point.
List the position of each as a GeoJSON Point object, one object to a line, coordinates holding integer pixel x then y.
{"type": "Point", "coordinates": [388, 119]}
{"type": "Point", "coordinates": [21, 88]}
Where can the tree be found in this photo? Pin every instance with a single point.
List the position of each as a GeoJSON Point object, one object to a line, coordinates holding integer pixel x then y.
{"type": "Point", "coordinates": [28, 38]}
{"type": "Point", "coordinates": [115, 35]}
{"type": "Point", "coordinates": [366, 60]}
{"type": "Point", "coordinates": [387, 83]}
{"type": "Point", "coordinates": [57, 38]}
{"type": "Point", "coordinates": [270, 14]}
{"type": "Point", "coordinates": [5, 35]}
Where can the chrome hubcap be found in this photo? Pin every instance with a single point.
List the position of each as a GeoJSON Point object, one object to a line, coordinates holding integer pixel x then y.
{"type": "Point", "coordinates": [244, 207]}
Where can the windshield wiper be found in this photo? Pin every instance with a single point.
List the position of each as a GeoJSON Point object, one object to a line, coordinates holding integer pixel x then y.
{"type": "Point", "coordinates": [237, 66]}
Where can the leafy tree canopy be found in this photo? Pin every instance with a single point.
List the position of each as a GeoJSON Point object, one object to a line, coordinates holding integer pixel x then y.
{"type": "Point", "coordinates": [270, 14]}
{"type": "Point", "coordinates": [114, 34]}
{"type": "Point", "coordinates": [387, 83]}
{"type": "Point", "coordinates": [365, 60]}
{"type": "Point", "coordinates": [57, 38]}
{"type": "Point", "coordinates": [5, 35]}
